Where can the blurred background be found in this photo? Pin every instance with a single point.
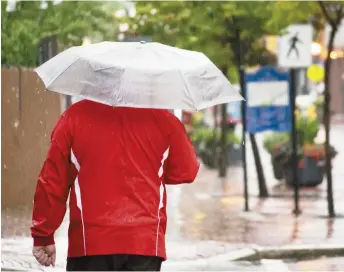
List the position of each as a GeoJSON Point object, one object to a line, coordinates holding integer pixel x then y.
{"type": "Point", "coordinates": [240, 38]}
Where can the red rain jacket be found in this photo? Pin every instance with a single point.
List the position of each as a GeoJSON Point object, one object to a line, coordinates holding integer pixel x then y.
{"type": "Point", "coordinates": [114, 163]}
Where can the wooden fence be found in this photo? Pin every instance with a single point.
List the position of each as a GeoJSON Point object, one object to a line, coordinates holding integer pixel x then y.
{"type": "Point", "coordinates": [28, 115]}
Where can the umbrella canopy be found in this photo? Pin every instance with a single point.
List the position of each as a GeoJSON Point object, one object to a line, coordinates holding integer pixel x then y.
{"type": "Point", "coordinates": [144, 75]}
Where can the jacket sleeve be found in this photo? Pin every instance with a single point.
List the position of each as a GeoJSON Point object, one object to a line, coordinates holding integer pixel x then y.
{"type": "Point", "coordinates": [181, 165]}
{"type": "Point", "coordinates": [53, 185]}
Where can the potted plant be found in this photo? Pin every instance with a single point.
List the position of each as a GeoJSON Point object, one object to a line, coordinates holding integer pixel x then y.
{"type": "Point", "coordinates": [276, 144]}
{"type": "Point", "coordinates": [310, 155]}
{"type": "Point", "coordinates": [208, 142]}
{"type": "Point", "coordinates": [234, 148]}
{"type": "Point", "coordinates": [195, 131]}
{"type": "Point", "coordinates": [311, 165]}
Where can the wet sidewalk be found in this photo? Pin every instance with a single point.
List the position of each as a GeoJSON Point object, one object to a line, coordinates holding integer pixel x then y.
{"type": "Point", "coordinates": [16, 252]}
{"type": "Point", "coordinates": [212, 209]}
{"type": "Point", "coordinates": [209, 215]}
{"type": "Point", "coordinates": [206, 219]}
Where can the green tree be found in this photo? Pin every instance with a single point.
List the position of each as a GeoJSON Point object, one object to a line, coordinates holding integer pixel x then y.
{"type": "Point", "coordinates": [205, 27]}
{"type": "Point", "coordinates": [209, 27]}
{"type": "Point", "coordinates": [70, 21]}
{"type": "Point", "coordinates": [318, 13]}
{"type": "Point", "coordinates": [334, 14]}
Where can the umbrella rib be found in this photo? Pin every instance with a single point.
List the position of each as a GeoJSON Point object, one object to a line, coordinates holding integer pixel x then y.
{"type": "Point", "coordinates": [56, 77]}
{"type": "Point", "coordinates": [188, 90]}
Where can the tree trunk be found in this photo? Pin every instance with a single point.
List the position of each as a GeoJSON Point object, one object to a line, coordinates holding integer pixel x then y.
{"type": "Point", "coordinates": [223, 138]}
{"type": "Point", "coordinates": [223, 143]}
{"type": "Point", "coordinates": [215, 143]}
{"type": "Point", "coordinates": [263, 189]}
{"type": "Point", "coordinates": [327, 103]}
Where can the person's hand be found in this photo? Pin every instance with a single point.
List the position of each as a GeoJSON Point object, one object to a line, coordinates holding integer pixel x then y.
{"type": "Point", "coordinates": [45, 255]}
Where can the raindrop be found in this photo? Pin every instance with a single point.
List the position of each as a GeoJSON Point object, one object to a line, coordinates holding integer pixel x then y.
{"type": "Point", "coordinates": [153, 11]}
{"type": "Point", "coordinates": [120, 37]}
{"type": "Point", "coordinates": [44, 5]}
{"type": "Point", "coordinates": [45, 135]}
{"type": "Point", "coordinates": [38, 92]}
{"type": "Point", "coordinates": [17, 95]}
{"type": "Point", "coordinates": [120, 13]}
{"type": "Point", "coordinates": [8, 101]}
{"type": "Point", "coordinates": [41, 122]}
{"type": "Point", "coordinates": [123, 27]}
{"type": "Point", "coordinates": [132, 12]}
{"type": "Point", "coordinates": [16, 124]}
{"type": "Point", "coordinates": [5, 166]}
{"type": "Point", "coordinates": [243, 142]}
{"type": "Point", "coordinates": [46, 112]}
{"type": "Point", "coordinates": [13, 89]}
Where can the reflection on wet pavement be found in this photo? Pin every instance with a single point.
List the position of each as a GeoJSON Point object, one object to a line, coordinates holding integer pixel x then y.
{"type": "Point", "coordinates": [210, 212]}
{"type": "Point", "coordinates": [323, 264]}
{"type": "Point", "coordinates": [270, 221]}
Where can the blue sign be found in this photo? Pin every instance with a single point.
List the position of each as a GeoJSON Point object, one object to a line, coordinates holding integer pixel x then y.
{"type": "Point", "coordinates": [268, 101]}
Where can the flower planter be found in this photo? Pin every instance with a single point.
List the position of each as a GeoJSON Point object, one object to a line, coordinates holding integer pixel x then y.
{"type": "Point", "coordinates": [310, 172]}
{"type": "Point", "coordinates": [197, 146]}
{"type": "Point", "coordinates": [211, 161]}
{"type": "Point", "coordinates": [235, 154]}
{"type": "Point", "coordinates": [278, 169]}
{"type": "Point", "coordinates": [208, 159]}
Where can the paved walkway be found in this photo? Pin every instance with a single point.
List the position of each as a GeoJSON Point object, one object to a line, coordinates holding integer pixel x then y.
{"type": "Point", "coordinates": [206, 218]}
{"type": "Point", "coordinates": [16, 252]}
{"type": "Point", "coordinates": [212, 209]}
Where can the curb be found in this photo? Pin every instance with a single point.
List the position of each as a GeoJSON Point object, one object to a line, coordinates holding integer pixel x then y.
{"type": "Point", "coordinates": [254, 253]}
{"type": "Point", "coordinates": [199, 264]}
{"type": "Point", "coordinates": [297, 252]}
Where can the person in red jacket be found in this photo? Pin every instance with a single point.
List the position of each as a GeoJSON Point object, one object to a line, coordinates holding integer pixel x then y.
{"type": "Point", "coordinates": [113, 163]}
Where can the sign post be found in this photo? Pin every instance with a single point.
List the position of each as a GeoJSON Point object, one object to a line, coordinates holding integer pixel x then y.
{"type": "Point", "coordinates": [295, 52]}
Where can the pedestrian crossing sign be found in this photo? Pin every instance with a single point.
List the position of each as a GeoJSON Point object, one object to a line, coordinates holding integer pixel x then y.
{"type": "Point", "coordinates": [295, 47]}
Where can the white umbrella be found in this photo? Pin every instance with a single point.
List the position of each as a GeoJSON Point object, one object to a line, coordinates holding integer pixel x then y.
{"type": "Point", "coordinates": [144, 75]}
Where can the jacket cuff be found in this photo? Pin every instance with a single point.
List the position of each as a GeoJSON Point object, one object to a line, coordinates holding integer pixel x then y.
{"type": "Point", "coordinates": [43, 241]}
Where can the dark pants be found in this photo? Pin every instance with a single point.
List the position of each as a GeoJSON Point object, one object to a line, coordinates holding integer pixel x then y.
{"type": "Point", "coordinates": [116, 262]}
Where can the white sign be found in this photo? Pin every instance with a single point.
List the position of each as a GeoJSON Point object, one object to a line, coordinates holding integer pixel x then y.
{"type": "Point", "coordinates": [295, 47]}
{"type": "Point", "coordinates": [269, 93]}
